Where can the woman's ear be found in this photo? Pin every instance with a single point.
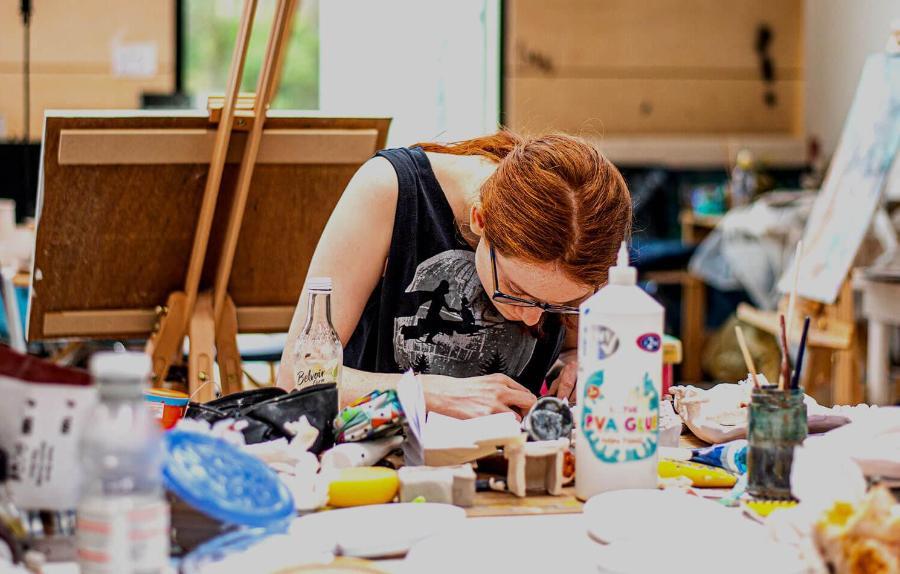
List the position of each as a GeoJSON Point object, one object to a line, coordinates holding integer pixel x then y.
{"type": "Point", "coordinates": [476, 220]}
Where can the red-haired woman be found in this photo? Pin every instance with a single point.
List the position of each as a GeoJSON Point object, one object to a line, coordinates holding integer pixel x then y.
{"type": "Point", "coordinates": [466, 262]}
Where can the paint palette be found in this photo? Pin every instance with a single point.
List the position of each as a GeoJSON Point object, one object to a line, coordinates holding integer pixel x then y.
{"type": "Point", "coordinates": [629, 522]}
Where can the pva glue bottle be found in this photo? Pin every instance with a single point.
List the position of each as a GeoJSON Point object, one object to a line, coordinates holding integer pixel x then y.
{"type": "Point", "coordinates": [619, 383]}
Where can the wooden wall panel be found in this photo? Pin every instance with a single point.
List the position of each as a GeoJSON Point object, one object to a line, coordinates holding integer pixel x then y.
{"type": "Point", "coordinates": [693, 37]}
{"type": "Point", "coordinates": [598, 106]}
{"type": "Point", "coordinates": [72, 92]}
{"type": "Point", "coordinates": [652, 66]}
{"type": "Point", "coordinates": [72, 46]}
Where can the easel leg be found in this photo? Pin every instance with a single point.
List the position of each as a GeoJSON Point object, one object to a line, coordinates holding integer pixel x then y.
{"type": "Point", "coordinates": [165, 345]}
{"type": "Point", "coordinates": [227, 353]}
{"type": "Point", "coordinates": [878, 366]}
{"type": "Point", "coordinates": [847, 383]}
{"type": "Point", "coordinates": [200, 363]}
{"type": "Point", "coordinates": [817, 375]}
{"type": "Point", "coordinates": [693, 319]}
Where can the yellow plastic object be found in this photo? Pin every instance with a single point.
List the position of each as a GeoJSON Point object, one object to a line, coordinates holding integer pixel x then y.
{"type": "Point", "coordinates": [671, 350]}
{"type": "Point", "coordinates": [701, 475]}
{"type": "Point", "coordinates": [764, 508]}
{"type": "Point", "coordinates": [363, 485]}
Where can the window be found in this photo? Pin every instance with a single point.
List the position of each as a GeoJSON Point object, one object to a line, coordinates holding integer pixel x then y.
{"type": "Point", "coordinates": [431, 65]}
{"type": "Point", "coordinates": [211, 27]}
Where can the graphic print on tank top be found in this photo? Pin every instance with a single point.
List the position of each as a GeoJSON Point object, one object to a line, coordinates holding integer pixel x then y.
{"type": "Point", "coordinates": [452, 327]}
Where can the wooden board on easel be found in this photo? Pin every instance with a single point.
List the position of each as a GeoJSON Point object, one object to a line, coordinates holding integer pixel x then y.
{"type": "Point", "coordinates": [114, 230]}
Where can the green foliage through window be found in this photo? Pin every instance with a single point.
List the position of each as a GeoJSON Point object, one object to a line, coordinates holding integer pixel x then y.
{"type": "Point", "coordinates": [211, 28]}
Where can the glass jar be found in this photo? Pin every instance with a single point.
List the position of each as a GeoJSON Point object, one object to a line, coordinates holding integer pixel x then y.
{"type": "Point", "coordinates": [777, 424]}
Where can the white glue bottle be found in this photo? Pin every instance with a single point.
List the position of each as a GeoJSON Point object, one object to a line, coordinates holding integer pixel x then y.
{"type": "Point", "coordinates": [619, 383]}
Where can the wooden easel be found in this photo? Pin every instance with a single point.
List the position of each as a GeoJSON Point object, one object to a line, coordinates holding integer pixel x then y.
{"type": "Point", "coordinates": [136, 240]}
{"type": "Point", "coordinates": [844, 211]}
{"type": "Point", "coordinates": [831, 336]}
{"type": "Point", "coordinates": [209, 318]}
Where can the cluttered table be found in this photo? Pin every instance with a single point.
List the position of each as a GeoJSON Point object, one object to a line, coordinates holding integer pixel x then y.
{"type": "Point", "coordinates": [496, 524]}
{"type": "Point", "coordinates": [383, 488]}
{"type": "Point", "coordinates": [274, 482]}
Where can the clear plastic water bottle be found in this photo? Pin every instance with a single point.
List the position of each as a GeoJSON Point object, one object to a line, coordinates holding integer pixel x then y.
{"type": "Point", "coordinates": [123, 518]}
{"type": "Point", "coordinates": [318, 354]}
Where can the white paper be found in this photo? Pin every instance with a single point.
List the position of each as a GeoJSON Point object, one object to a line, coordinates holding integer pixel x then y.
{"type": "Point", "coordinates": [434, 430]}
{"type": "Point", "coordinates": [40, 429]}
{"type": "Point", "coordinates": [442, 431]}
{"type": "Point", "coordinates": [134, 59]}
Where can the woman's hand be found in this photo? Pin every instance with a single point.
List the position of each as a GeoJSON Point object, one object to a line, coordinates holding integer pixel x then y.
{"type": "Point", "coordinates": [563, 387]}
{"type": "Point", "coordinates": [476, 396]}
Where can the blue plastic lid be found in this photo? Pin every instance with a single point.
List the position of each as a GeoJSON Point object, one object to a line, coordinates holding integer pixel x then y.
{"type": "Point", "coordinates": [220, 480]}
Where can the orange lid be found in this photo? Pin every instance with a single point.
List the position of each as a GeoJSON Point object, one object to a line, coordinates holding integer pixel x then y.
{"type": "Point", "coordinates": [167, 393]}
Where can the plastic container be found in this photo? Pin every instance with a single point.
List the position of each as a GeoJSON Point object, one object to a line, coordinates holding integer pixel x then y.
{"type": "Point", "coordinates": [123, 519]}
{"type": "Point", "coordinates": [167, 406]}
{"type": "Point", "coordinates": [619, 380]}
{"type": "Point", "coordinates": [216, 486]}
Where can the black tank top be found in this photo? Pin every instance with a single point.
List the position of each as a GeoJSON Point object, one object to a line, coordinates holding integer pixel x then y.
{"type": "Point", "coordinates": [430, 311]}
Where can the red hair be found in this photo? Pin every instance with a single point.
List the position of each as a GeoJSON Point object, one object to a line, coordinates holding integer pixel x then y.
{"type": "Point", "coordinates": [552, 199]}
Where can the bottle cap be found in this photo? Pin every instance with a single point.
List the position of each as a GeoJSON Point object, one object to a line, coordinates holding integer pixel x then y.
{"type": "Point", "coordinates": [223, 482]}
{"type": "Point", "coordinates": [744, 159]}
{"type": "Point", "coordinates": [622, 273]}
{"type": "Point", "coordinates": [120, 374]}
{"type": "Point", "coordinates": [319, 284]}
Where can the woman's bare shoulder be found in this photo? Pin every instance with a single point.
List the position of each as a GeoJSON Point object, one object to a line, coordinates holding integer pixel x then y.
{"type": "Point", "coordinates": [375, 181]}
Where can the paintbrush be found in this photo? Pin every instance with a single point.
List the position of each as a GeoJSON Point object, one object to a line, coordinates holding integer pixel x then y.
{"type": "Point", "coordinates": [795, 381]}
{"type": "Point", "coordinates": [785, 376]}
{"type": "Point", "coordinates": [742, 343]}
{"type": "Point", "coordinates": [792, 298]}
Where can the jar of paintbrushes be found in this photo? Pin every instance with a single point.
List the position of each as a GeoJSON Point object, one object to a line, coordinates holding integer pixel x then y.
{"type": "Point", "coordinates": [776, 424]}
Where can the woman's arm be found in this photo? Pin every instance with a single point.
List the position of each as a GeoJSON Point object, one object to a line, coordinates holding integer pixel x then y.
{"type": "Point", "coordinates": [352, 251]}
{"type": "Point", "coordinates": [567, 363]}
{"type": "Point", "coordinates": [460, 398]}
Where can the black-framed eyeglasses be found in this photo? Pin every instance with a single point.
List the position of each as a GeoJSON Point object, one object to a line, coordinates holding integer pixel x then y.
{"type": "Point", "coordinates": [521, 302]}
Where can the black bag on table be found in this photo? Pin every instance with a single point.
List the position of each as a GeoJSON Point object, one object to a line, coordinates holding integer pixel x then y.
{"type": "Point", "coordinates": [267, 410]}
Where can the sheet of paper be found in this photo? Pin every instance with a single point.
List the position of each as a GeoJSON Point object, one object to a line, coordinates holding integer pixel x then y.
{"type": "Point", "coordinates": [412, 401]}
{"type": "Point", "coordinates": [447, 432]}
{"type": "Point", "coordinates": [134, 59]}
{"type": "Point", "coordinates": [434, 430]}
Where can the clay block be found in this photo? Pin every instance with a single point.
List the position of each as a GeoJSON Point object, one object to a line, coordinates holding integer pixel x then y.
{"type": "Point", "coordinates": [464, 486]}
{"type": "Point", "coordinates": [432, 484]}
{"type": "Point", "coordinates": [537, 467]}
{"type": "Point", "coordinates": [447, 485]}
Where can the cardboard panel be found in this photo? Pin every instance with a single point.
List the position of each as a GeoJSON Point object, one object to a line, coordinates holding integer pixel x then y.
{"type": "Point", "coordinates": [592, 106]}
{"type": "Point", "coordinates": [81, 36]}
{"type": "Point", "coordinates": [72, 91]}
{"type": "Point", "coordinates": [73, 46]}
{"type": "Point", "coordinates": [651, 38]}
